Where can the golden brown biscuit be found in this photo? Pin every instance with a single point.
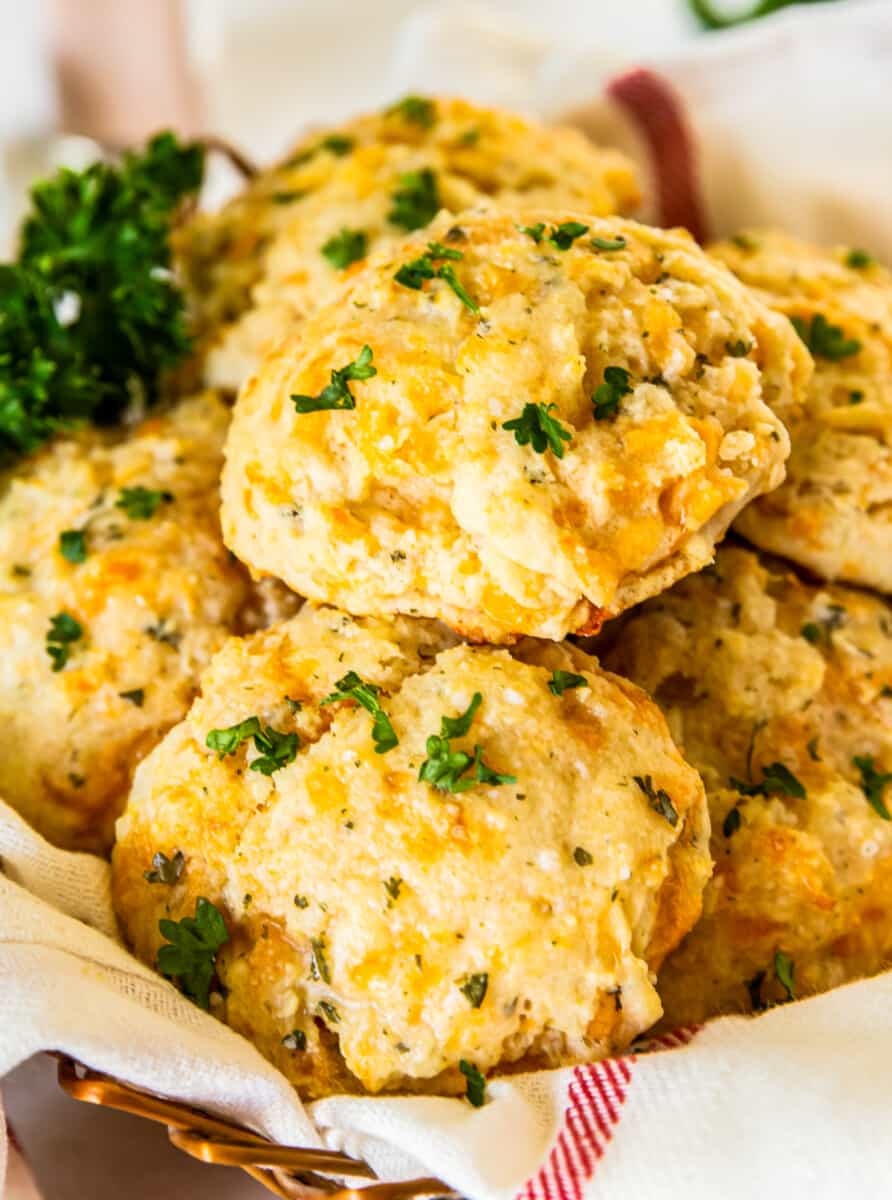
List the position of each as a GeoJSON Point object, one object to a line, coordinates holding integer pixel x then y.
{"type": "Point", "coordinates": [115, 590]}
{"type": "Point", "coordinates": [833, 514]}
{"type": "Point", "coordinates": [781, 695]}
{"type": "Point", "coordinates": [382, 927]}
{"type": "Point", "coordinates": [439, 495]}
{"type": "Point", "coordinates": [284, 246]}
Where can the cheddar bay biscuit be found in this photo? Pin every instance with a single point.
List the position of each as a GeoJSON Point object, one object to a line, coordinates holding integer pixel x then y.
{"type": "Point", "coordinates": [515, 428]}
{"type": "Point", "coordinates": [424, 852]}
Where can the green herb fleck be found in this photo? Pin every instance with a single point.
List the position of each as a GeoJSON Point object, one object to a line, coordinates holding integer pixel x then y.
{"type": "Point", "coordinates": [582, 858]}
{"type": "Point", "coordinates": [140, 503]}
{"type": "Point", "coordinates": [318, 962]}
{"type": "Point", "coordinates": [64, 631]}
{"type": "Point", "coordinates": [562, 681]}
{"type": "Point", "coordinates": [446, 769]}
{"type": "Point", "coordinates": [296, 1040]}
{"type": "Point", "coordinates": [858, 259]}
{"type": "Point", "coordinates": [337, 394]}
{"type": "Point", "coordinates": [392, 887]}
{"type": "Point", "coordinates": [856, 396]}
{"type": "Point", "coordinates": [301, 901]}
{"type": "Point", "coordinates": [784, 970]}
{"type": "Point", "coordinates": [536, 232]}
{"type": "Point", "coordinates": [474, 989]}
{"type": "Point", "coordinates": [417, 110]}
{"type": "Point", "coordinates": [416, 201]}
{"type": "Point", "coordinates": [607, 395]}
{"type": "Point", "coordinates": [731, 823]}
{"type": "Point", "coordinates": [352, 687]}
{"type": "Point", "coordinates": [475, 1093]}
{"type": "Point", "coordinates": [535, 425]}
{"type": "Point", "coordinates": [294, 705]}
{"type": "Point", "coordinates": [660, 801]}
{"type": "Point", "coordinates": [337, 144]}
{"type": "Point", "coordinates": [276, 750]}
{"type": "Point", "coordinates": [873, 783]}
{"type": "Point", "coordinates": [345, 247]}
{"type": "Point", "coordinates": [739, 348]}
{"type": "Point", "coordinates": [617, 243]}
{"type": "Point", "coordinates": [73, 545]}
{"type": "Point", "coordinates": [825, 340]}
{"type": "Point", "coordinates": [164, 869]}
{"type": "Point", "coordinates": [135, 696]}
{"type": "Point", "coordinates": [777, 780]}
{"type": "Point", "coordinates": [329, 1011]}
{"type": "Point", "coordinates": [413, 274]}
{"type": "Point", "coordinates": [811, 632]}
{"type": "Point", "coordinates": [191, 957]}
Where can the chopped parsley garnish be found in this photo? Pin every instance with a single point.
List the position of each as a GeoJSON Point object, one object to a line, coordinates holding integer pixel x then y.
{"type": "Point", "coordinates": [346, 247]}
{"type": "Point", "coordinates": [731, 823]}
{"type": "Point", "coordinates": [416, 201]}
{"type": "Point", "coordinates": [617, 243]}
{"type": "Point", "coordinates": [64, 631]}
{"type": "Point", "coordinates": [414, 273]}
{"type": "Point", "coordinates": [743, 241]}
{"type": "Point", "coordinates": [607, 395]}
{"type": "Point", "coordinates": [660, 801]}
{"type": "Point", "coordinates": [858, 259]}
{"type": "Point", "coordinates": [329, 1011]}
{"type": "Point", "coordinates": [164, 869]}
{"type": "Point", "coordinates": [856, 396]}
{"type": "Point", "coordinates": [474, 988]}
{"type": "Point", "coordinates": [337, 394]}
{"type": "Point", "coordinates": [447, 769]}
{"type": "Point", "coordinates": [392, 887]}
{"type": "Point", "coordinates": [294, 705]}
{"type": "Point", "coordinates": [562, 681]}
{"type": "Point", "coordinates": [141, 503]}
{"type": "Point", "coordinates": [475, 1093]}
{"type": "Point", "coordinates": [535, 425]}
{"type": "Point", "coordinates": [296, 1040]}
{"type": "Point", "coordinates": [873, 784]}
{"type": "Point", "coordinates": [738, 348]}
{"type": "Point", "coordinates": [811, 632]}
{"type": "Point", "coordinates": [561, 236]}
{"type": "Point", "coordinates": [276, 749]}
{"type": "Point", "coordinates": [352, 687]}
{"type": "Point", "coordinates": [337, 144]}
{"type": "Point", "coordinates": [777, 780]}
{"type": "Point", "coordinates": [136, 696]}
{"type": "Point", "coordinates": [784, 970]}
{"type": "Point", "coordinates": [90, 312]}
{"type": "Point", "coordinates": [825, 340]}
{"type": "Point", "coordinates": [582, 858]}
{"type": "Point", "coordinates": [417, 110]}
{"type": "Point", "coordinates": [73, 545]}
{"type": "Point", "coordinates": [301, 901]}
{"type": "Point", "coordinates": [167, 635]}
{"type": "Point", "coordinates": [190, 958]}
{"type": "Point", "coordinates": [318, 962]}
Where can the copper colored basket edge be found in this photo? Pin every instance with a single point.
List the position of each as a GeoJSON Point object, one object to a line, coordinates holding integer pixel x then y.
{"type": "Point", "coordinates": [286, 1171]}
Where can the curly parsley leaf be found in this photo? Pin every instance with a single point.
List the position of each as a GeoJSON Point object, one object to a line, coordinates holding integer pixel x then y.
{"type": "Point", "coordinates": [337, 394]}
{"type": "Point", "coordinates": [474, 988]}
{"type": "Point", "coordinates": [777, 780]}
{"type": "Point", "coordinates": [607, 395]}
{"type": "Point", "coordinates": [346, 247]}
{"type": "Point", "coordinates": [64, 631]}
{"type": "Point", "coordinates": [825, 340]}
{"type": "Point", "coordinates": [164, 869]}
{"type": "Point", "coordinates": [873, 784]}
{"type": "Point", "coordinates": [73, 545]}
{"type": "Point", "coordinates": [417, 110]}
{"type": "Point", "coordinates": [659, 800]}
{"type": "Point", "coordinates": [535, 425]}
{"type": "Point", "coordinates": [413, 274]}
{"type": "Point", "coordinates": [89, 314]}
{"type": "Point", "coordinates": [562, 681]}
{"type": "Point", "coordinates": [276, 750]}
{"type": "Point", "coordinates": [141, 503]}
{"type": "Point", "coordinates": [416, 200]}
{"type": "Point", "coordinates": [475, 1093]}
{"type": "Point", "coordinates": [190, 958]}
{"type": "Point", "coordinates": [352, 687]}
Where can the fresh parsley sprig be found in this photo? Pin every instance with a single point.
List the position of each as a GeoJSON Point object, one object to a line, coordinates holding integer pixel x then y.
{"type": "Point", "coordinates": [346, 247]}
{"type": "Point", "coordinates": [141, 503]}
{"type": "Point", "coordinates": [659, 800]}
{"type": "Point", "coordinates": [337, 394]}
{"type": "Point", "coordinates": [475, 1092]}
{"type": "Point", "coordinates": [873, 784]}
{"type": "Point", "coordinates": [90, 314]}
{"type": "Point", "coordinates": [447, 769]}
{"type": "Point", "coordinates": [825, 340]}
{"type": "Point", "coordinates": [607, 395]}
{"type": "Point", "coordinates": [276, 750]}
{"type": "Point", "coordinates": [536, 425]}
{"type": "Point", "coordinates": [353, 687]}
{"type": "Point", "coordinates": [64, 631]}
{"type": "Point", "coordinates": [191, 956]}
{"type": "Point", "coordinates": [413, 274]}
{"type": "Point", "coordinates": [777, 780]}
{"type": "Point", "coordinates": [562, 681]}
{"type": "Point", "coordinates": [560, 236]}
{"type": "Point", "coordinates": [416, 200]}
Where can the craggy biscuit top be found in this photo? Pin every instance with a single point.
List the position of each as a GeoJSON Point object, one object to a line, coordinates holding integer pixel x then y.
{"type": "Point", "coordinates": [833, 513]}
{"type": "Point", "coordinates": [434, 851]}
{"type": "Point", "coordinates": [519, 429]}
{"type": "Point", "coordinates": [115, 590]}
{"type": "Point", "coordinates": [284, 246]}
{"type": "Point", "coordinates": [780, 694]}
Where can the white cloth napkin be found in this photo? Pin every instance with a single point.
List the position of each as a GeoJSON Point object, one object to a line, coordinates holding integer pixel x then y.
{"type": "Point", "coordinates": [794, 1099]}
{"type": "Point", "coordinates": [789, 122]}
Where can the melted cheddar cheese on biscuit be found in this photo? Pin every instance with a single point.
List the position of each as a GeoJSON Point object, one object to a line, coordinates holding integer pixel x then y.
{"type": "Point", "coordinates": [424, 852]}
{"type": "Point", "coordinates": [780, 693]}
{"type": "Point", "coordinates": [833, 513]}
{"type": "Point", "coordinates": [515, 428]}
{"type": "Point", "coordinates": [285, 245]}
{"type": "Point", "coordinates": [115, 590]}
